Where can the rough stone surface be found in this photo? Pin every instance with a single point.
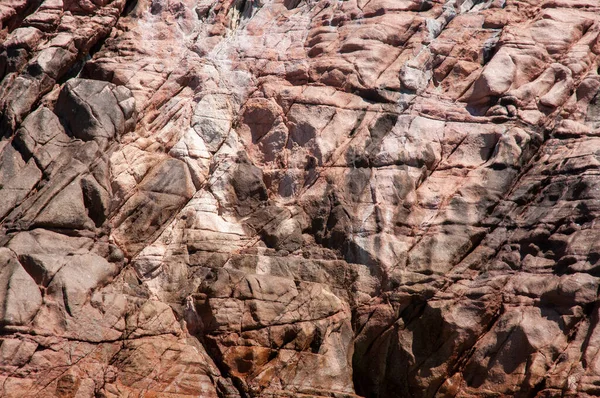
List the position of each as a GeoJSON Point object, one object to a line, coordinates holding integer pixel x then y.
{"type": "Point", "coordinates": [294, 198]}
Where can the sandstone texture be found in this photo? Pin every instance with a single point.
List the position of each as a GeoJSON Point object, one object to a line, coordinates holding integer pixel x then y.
{"type": "Point", "coordinates": [299, 198]}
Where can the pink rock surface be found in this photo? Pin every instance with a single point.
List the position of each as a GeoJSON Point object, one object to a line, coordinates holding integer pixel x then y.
{"type": "Point", "coordinates": [293, 198]}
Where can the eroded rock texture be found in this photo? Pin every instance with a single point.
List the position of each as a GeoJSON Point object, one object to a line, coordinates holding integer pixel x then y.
{"type": "Point", "coordinates": [293, 198]}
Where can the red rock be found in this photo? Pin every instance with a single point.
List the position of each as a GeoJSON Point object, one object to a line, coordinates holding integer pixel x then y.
{"type": "Point", "coordinates": [294, 198]}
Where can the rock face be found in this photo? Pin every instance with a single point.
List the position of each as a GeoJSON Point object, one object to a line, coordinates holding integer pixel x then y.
{"type": "Point", "coordinates": [293, 198]}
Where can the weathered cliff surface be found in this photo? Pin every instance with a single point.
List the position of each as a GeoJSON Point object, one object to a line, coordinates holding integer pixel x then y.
{"type": "Point", "coordinates": [266, 198]}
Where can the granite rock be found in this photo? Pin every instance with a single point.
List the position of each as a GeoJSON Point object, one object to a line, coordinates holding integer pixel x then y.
{"type": "Point", "coordinates": [292, 198]}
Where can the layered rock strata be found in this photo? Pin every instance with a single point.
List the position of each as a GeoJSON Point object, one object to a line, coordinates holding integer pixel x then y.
{"type": "Point", "coordinates": [293, 198]}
